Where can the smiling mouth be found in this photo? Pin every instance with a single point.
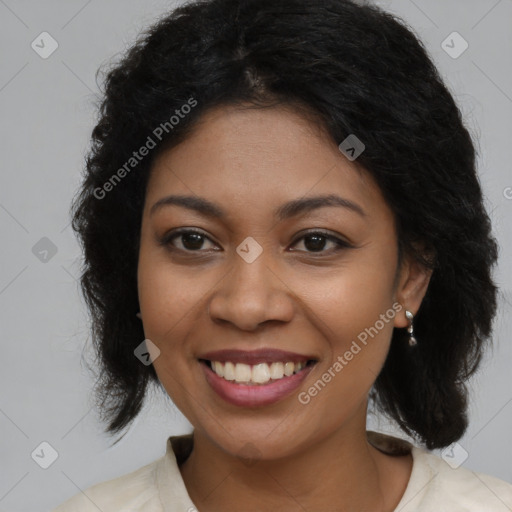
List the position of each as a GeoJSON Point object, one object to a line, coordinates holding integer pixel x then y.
{"type": "Point", "coordinates": [256, 374]}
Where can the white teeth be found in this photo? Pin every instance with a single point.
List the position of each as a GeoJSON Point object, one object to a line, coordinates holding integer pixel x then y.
{"type": "Point", "coordinates": [229, 371]}
{"type": "Point", "coordinates": [288, 369]}
{"type": "Point", "coordinates": [242, 372]}
{"type": "Point", "coordinates": [260, 373]}
{"type": "Point", "coordinates": [218, 368]}
{"type": "Point", "coordinates": [276, 370]}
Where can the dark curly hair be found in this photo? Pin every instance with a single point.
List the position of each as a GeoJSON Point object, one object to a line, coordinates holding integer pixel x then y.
{"type": "Point", "coordinates": [357, 70]}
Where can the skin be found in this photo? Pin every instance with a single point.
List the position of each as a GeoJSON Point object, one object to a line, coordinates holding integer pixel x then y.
{"type": "Point", "coordinates": [294, 296]}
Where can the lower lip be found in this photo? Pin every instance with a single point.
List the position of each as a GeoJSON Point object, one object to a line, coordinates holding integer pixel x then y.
{"type": "Point", "coordinates": [255, 395]}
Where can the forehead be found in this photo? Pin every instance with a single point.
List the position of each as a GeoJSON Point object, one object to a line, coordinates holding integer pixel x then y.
{"type": "Point", "coordinates": [257, 157]}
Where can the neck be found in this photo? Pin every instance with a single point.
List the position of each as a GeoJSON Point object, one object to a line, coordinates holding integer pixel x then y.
{"type": "Point", "coordinates": [342, 469]}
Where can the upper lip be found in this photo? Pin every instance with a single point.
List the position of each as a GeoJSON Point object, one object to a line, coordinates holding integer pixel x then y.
{"type": "Point", "coordinates": [251, 357]}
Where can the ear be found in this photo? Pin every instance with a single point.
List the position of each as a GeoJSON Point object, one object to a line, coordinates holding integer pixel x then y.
{"type": "Point", "coordinates": [413, 282]}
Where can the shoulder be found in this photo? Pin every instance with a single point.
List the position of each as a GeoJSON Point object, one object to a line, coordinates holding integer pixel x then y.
{"type": "Point", "coordinates": [133, 492]}
{"type": "Point", "coordinates": [458, 489]}
{"type": "Point", "coordinates": [438, 484]}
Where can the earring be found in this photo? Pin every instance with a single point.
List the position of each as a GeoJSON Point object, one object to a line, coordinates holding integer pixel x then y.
{"type": "Point", "coordinates": [410, 329]}
{"type": "Point", "coordinates": [138, 315]}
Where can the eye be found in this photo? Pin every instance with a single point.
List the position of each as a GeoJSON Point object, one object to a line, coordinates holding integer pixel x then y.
{"type": "Point", "coordinates": [191, 240]}
{"type": "Point", "coordinates": [315, 241]}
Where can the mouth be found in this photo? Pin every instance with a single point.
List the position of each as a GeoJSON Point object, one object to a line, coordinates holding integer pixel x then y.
{"type": "Point", "coordinates": [258, 374]}
{"type": "Point", "coordinates": [256, 378]}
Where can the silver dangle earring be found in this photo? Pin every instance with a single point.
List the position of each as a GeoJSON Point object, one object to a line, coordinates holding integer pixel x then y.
{"type": "Point", "coordinates": [410, 329]}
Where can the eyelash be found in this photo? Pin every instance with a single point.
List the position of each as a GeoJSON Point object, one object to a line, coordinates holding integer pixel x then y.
{"type": "Point", "coordinates": [169, 237]}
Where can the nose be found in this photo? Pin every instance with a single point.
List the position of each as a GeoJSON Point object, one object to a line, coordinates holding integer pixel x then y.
{"type": "Point", "coordinates": [250, 295]}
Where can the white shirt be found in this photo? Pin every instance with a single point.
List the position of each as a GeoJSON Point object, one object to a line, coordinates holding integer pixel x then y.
{"type": "Point", "coordinates": [434, 486]}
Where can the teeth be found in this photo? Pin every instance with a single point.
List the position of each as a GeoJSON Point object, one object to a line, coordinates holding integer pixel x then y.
{"type": "Point", "coordinates": [218, 368]}
{"type": "Point", "coordinates": [276, 370]}
{"type": "Point", "coordinates": [288, 369]}
{"type": "Point", "coordinates": [229, 371]}
{"type": "Point", "coordinates": [242, 373]}
{"type": "Point", "coordinates": [260, 373]}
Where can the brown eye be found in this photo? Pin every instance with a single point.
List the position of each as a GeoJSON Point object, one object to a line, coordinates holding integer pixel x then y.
{"type": "Point", "coordinates": [191, 240]}
{"type": "Point", "coordinates": [316, 241]}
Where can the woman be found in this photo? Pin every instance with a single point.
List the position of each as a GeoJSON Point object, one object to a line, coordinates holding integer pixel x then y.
{"type": "Point", "coordinates": [282, 223]}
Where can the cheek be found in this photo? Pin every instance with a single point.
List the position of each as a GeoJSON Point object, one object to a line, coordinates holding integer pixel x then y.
{"type": "Point", "coordinates": [358, 339]}
{"type": "Point", "coordinates": [353, 309]}
{"type": "Point", "coordinates": [351, 298]}
{"type": "Point", "coordinates": [170, 308]}
{"type": "Point", "coordinates": [169, 298]}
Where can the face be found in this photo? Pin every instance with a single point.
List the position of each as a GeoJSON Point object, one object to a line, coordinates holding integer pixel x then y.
{"type": "Point", "coordinates": [250, 266]}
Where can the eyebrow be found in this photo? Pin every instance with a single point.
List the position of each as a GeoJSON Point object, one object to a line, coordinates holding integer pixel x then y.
{"type": "Point", "coordinates": [285, 211]}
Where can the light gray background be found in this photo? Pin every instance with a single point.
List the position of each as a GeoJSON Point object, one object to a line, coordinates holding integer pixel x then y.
{"type": "Point", "coordinates": [47, 114]}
